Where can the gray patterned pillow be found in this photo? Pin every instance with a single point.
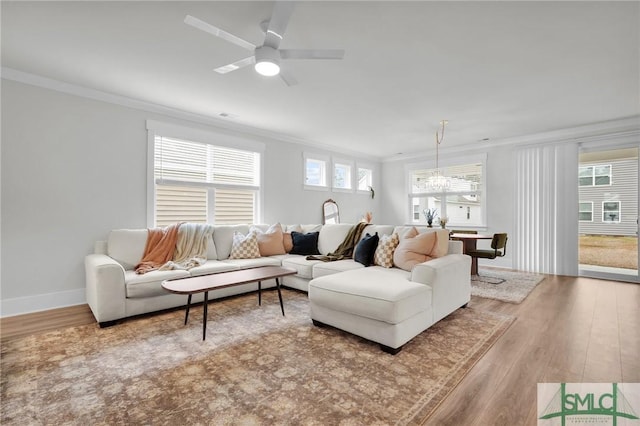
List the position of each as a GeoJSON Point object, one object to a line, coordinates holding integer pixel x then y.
{"type": "Point", "coordinates": [244, 247]}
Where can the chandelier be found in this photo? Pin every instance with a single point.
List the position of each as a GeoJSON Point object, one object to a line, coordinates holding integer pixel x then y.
{"type": "Point", "coordinates": [437, 181]}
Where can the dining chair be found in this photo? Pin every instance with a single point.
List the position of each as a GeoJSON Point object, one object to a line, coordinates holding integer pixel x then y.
{"type": "Point", "coordinates": [498, 248]}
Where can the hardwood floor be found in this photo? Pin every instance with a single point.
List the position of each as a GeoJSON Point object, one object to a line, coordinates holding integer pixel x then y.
{"type": "Point", "coordinates": [568, 330]}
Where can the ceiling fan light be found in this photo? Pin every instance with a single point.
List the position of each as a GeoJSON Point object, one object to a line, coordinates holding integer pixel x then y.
{"type": "Point", "coordinates": [267, 61]}
{"type": "Point", "coordinates": [267, 68]}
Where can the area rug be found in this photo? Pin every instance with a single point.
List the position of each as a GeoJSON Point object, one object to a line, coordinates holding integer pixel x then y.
{"type": "Point", "coordinates": [256, 367]}
{"type": "Point", "coordinates": [508, 286]}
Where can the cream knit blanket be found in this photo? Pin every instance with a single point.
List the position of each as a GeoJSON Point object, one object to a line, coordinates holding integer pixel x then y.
{"type": "Point", "coordinates": [191, 246]}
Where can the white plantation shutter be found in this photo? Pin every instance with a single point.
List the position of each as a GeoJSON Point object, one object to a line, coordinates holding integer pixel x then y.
{"type": "Point", "coordinates": [234, 206]}
{"type": "Point", "coordinates": [180, 203]}
{"type": "Point", "coordinates": [195, 180]}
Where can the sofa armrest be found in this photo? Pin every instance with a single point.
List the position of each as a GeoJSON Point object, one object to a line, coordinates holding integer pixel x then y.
{"type": "Point", "coordinates": [105, 288]}
{"type": "Point", "coordinates": [450, 280]}
{"type": "Point", "coordinates": [455, 247]}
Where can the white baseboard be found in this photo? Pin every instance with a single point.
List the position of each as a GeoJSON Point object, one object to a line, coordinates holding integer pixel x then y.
{"type": "Point", "coordinates": [41, 302]}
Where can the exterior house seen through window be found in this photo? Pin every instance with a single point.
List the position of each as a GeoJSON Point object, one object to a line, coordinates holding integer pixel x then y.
{"type": "Point", "coordinates": [611, 211]}
{"type": "Point", "coordinates": [596, 175]}
{"type": "Point", "coordinates": [203, 183]}
{"type": "Point", "coordinates": [461, 202]}
{"type": "Point", "coordinates": [586, 211]}
{"type": "Point", "coordinates": [315, 172]}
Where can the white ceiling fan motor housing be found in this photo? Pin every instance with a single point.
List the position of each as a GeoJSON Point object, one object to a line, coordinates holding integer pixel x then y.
{"type": "Point", "coordinates": [267, 61]}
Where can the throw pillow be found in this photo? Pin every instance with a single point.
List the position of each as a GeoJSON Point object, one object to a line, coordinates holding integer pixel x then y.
{"type": "Point", "coordinates": [441, 248]}
{"type": "Point", "coordinates": [408, 233]}
{"type": "Point", "coordinates": [244, 246]}
{"type": "Point", "coordinates": [365, 249]}
{"type": "Point", "coordinates": [287, 241]}
{"type": "Point", "coordinates": [305, 244]}
{"type": "Point", "coordinates": [270, 243]}
{"type": "Point", "coordinates": [412, 251]}
{"type": "Point", "coordinates": [384, 252]}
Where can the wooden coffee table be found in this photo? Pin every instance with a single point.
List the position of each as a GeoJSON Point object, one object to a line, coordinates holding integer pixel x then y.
{"type": "Point", "coordinates": [206, 283]}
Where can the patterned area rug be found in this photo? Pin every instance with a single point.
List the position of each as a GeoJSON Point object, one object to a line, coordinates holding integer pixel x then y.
{"type": "Point", "coordinates": [256, 367]}
{"type": "Point", "coordinates": [508, 286]}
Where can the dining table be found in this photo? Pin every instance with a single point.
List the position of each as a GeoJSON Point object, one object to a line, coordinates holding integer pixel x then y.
{"type": "Point", "coordinates": [469, 244]}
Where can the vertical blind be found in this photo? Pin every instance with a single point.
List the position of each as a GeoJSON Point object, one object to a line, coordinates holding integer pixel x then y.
{"type": "Point", "coordinates": [196, 182]}
{"type": "Point", "coordinates": [546, 239]}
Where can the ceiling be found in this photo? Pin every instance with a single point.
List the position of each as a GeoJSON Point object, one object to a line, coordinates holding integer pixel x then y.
{"type": "Point", "coordinates": [494, 69]}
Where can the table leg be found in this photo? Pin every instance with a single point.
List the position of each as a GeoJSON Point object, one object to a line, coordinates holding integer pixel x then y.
{"type": "Point", "coordinates": [280, 295]}
{"type": "Point", "coordinates": [186, 315]}
{"type": "Point", "coordinates": [259, 293]}
{"type": "Point", "coordinates": [204, 316]}
{"type": "Point", "coordinates": [470, 245]}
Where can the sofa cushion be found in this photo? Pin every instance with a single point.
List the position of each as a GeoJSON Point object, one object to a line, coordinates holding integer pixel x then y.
{"type": "Point", "coordinates": [244, 246]}
{"type": "Point", "coordinates": [150, 284]}
{"type": "Point", "coordinates": [212, 267]}
{"type": "Point", "coordinates": [271, 241]}
{"type": "Point", "coordinates": [300, 264]}
{"type": "Point", "coordinates": [212, 253]}
{"type": "Point", "coordinates": [305, 244]}
{"type": "Point", "coordinates": [384, 252]}
{"type": "Point", "coordinates": [329, 268]}
{"type": "Point", "coordinates": [223, 238]}
{"type": "Point", "coordinates": [253, 263]}
{"type": "Point", "coordinates": [365, 249]}
{"type": "Point", "coordinates": [331, 236]}
{"type": "Point", "coordinates": [380, 229]}
{"type": "Point", "coordinates": [377, 293]}
{"type": "Point", "coordinates": [126, 246]}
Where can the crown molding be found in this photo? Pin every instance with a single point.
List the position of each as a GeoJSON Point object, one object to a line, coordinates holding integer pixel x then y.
{"type": "Point", "coordinates": [627, 128]}
{"type": "Point", "coordinates": [88, 93]}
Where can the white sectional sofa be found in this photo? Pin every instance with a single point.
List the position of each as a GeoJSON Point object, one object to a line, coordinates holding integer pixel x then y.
{"type": "Point", "coordinates": [388, 306]}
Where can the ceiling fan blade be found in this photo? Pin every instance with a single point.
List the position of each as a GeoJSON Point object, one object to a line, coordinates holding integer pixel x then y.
{"type": "Point", "coordinates": [236, 65]}
{"type": "Point", "coordinates": [288, 78]}
{"type": "Point", "coordinates": [282, 11]}
{"type": "Point", "coordinates": [312, 53]}
{"type": "Point", "coordinates": [201, 25]}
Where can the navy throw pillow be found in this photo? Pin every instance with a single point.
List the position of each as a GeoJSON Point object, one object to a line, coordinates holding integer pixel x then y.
{"type": "Point", "coordinates": [306, 244]}
{"type": "Point", "coordinates": [366, 249]}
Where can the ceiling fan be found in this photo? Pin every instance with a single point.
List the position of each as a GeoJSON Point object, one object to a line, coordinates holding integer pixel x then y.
{"type": "Point", "coordinates": [267, 57]}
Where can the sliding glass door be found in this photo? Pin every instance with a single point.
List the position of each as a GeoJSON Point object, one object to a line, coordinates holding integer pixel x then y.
{"type": "Point", "coordinates": [608, 214]}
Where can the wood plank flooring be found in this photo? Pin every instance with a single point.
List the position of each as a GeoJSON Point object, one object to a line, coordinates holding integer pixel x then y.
{"type": "Point", "coordinates": [568, 330]}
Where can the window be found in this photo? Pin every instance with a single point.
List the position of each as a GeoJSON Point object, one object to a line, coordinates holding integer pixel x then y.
{"type": "Point", "coordinates": [315, 171]}
{"type": "Point", "coordinates": [199, 182]}
{"type": "Point", "coordinates": [342, 175]}
{"type": "Point", "coordinates": [462, 201]}
{"type": "Point", "coordinates": [596, 175]}
{"type": "Point", "coordinates": [611, 211]}
{"type": "Point", "coordinates": [365, 179]}
{"type": "Point", "coordinates": [585, 211]}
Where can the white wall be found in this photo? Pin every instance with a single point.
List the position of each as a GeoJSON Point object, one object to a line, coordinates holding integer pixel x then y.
{"type": "Point", "coordinates": [74, 168]}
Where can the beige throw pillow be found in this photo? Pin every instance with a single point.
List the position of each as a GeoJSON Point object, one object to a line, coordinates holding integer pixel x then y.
{"type": "Point", "coordinates": [384, 252]}
{"type": "Point", "coordinates": [411, 251]}
{"type": "Point", "coordinates": [244, 247]}
{"type": "Point", "coordinates": [270, 243]}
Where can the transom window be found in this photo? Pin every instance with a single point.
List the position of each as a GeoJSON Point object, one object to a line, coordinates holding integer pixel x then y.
{"type": "Point", "coordinates": [595, 175]}
{"type": "Point", "coordinates": [315, 171]}
{"type": "Point", "coordinates": [461, 200]}
{"type": "Point", "coordinates": [342, 175]}
{"type": "Point", "coordinates": [199, 182]}
{"type": "Point", "coordinates": [365, 179]}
